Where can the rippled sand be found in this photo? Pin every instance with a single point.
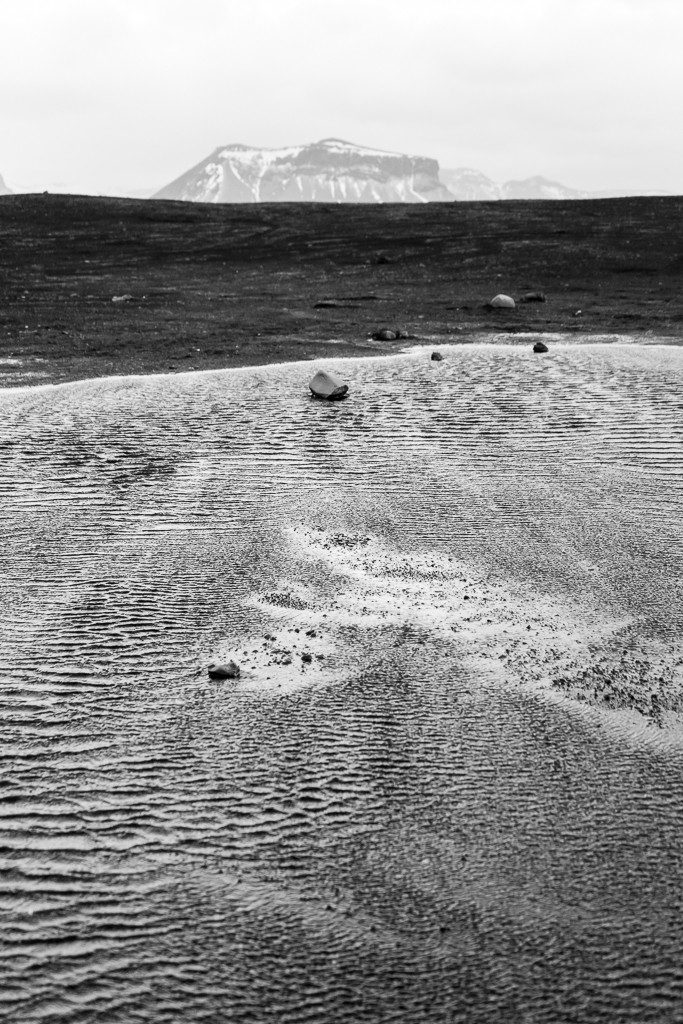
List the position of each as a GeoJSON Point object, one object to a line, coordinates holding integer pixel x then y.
{"type": "Point", "coordinates": [467, 806]}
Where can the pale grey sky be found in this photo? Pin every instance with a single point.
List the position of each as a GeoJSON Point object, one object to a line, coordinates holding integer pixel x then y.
{"type": "Point", "coordinates": [112, 95]}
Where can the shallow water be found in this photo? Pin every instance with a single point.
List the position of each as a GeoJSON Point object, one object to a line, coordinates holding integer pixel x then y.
{"type": "Point", "coordinates": [468, 806]}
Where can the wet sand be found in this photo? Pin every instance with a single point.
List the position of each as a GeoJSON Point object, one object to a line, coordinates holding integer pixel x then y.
{"type": "Point", "coordinates": [467, 806]}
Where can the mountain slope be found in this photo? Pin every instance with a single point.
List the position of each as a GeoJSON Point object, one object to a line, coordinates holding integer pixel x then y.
{"type": "Point", "coordinates": [328, 171]}
{"type": "Point", "coordinates": [4, 191]}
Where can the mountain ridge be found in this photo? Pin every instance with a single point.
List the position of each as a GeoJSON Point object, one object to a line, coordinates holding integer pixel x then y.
{"type": "Point", "coordinates": [334, 170]}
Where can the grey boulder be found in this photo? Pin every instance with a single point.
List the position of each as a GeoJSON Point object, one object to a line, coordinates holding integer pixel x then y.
{"type": "Point", "coordinates": [223, 670]}
{"type": "Point", "coordinates": [502, 302]}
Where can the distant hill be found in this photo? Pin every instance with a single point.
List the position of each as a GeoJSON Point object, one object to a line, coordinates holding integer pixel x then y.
{"type": "Point", "coordinates": [4, 191]}
{"type": "Point", "coordinates": [539, 188]}
{"type": "Point", "coordinates": [328, 171]}
{"type": "Point", "coordinates": [465, 183]}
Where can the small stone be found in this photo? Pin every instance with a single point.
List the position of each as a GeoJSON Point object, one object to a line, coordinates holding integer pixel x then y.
{"type": "Point", "coordinates": [307, 658]}
{"type": "Point", "coordinates": [381, 259]}
{"type": "Point", "coordinates": [326, 304]}
{"type": "Point", "coordinates": [121, 298]}
{"type": "Point", "coordinates": [437, 357]}
{"type": "Point", "coordinates": [533, 297]}
{"type": "Point", "coordinates": [540, 347]}
{"type": "Point", "coordinates": [223, 670]}
{"type": "Point", "coordinates": [502, 302]}
{"type": "Point", "coordinates": [384, 335]}
{"type": "Point", "coordinates": [326, 385]}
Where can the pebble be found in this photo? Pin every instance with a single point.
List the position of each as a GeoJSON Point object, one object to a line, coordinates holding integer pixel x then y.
{"type": "Point", "coordinates": [223, 670]}
{"type": "Point", "coordinates": [540, 347]}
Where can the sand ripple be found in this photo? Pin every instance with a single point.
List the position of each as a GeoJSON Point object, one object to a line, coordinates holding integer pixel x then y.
{"type": "Point", "coordinates": [449, 782]}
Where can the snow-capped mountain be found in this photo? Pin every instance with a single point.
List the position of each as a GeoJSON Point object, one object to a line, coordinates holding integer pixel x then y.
{"type": "Point", "coordinates": [326, 171]}
{"type": "Point", "coordinates": [4, 191]}
{"type": "Point", "coordinates": [339, 172]}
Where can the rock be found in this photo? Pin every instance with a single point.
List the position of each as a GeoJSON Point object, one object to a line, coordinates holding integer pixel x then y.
{"type": "Point", "coordinates": [326, 385]}
{"type": "Point", "coordinates": [307, 658]}
{"type": "Point", "coordinates": [220, 670]}
{"type": "Point", "coordinates": [533, 297]}
{"type": "Point", "coordinates": [326, 304]}
{"type": "Point", "coordinates": [502, 302]}
{"type": "Point", "coordinates": [384, 335]}
{"type": "Point", "coordinates": [540, 347]}
{"type": "Point", "coordinates": [121, 298]}
{"type": "Point", "coordinates": [383, 259]}
{"type": "Point", "coordinates": [437, 357]}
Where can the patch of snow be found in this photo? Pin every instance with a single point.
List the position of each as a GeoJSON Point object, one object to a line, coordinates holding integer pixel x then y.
{"type": "Point", "coordinates": [340, 146]}
{"type": "Point", "coordinates": [239, 177]}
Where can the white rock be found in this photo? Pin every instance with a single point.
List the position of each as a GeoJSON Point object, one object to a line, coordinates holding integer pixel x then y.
{"type": "Point", "coordinates": [502, 302]}
{"type": "Point", "coordinates": [326, 385]}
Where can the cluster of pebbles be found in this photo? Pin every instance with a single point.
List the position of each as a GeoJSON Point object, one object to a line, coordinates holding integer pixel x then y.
{"type": "Point", "coordinates": [648, 680]}
{"type": "Point", "coordinates": [495, 630]}
{"type": "Point", "coordinates": [278, 660]}
{"type": "Point", "coordinates": [328, 386]}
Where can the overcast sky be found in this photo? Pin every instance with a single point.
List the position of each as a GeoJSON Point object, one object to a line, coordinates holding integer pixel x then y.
{"type": "Point", "coordinates": [107, 96]}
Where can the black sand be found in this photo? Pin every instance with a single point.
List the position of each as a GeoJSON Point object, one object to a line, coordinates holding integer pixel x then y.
{"type": "Point", "coordinates": [220, 286]}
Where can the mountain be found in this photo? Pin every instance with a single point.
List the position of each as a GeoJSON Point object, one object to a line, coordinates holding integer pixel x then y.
{"type": "Point", "coordinates": [467, 184]}
{"type": "Point", "coordinates": [328, 171]}
{"type": "Point", "coordinates": [539, 188]}
{"type": "Point", "coordinates": [4, 191]}
{"type": "Point", "coordinates": [464, 183]}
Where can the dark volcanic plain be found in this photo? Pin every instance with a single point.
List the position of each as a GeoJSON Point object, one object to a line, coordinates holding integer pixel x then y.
{"type": "Point", "coordinates": [236, 285]}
